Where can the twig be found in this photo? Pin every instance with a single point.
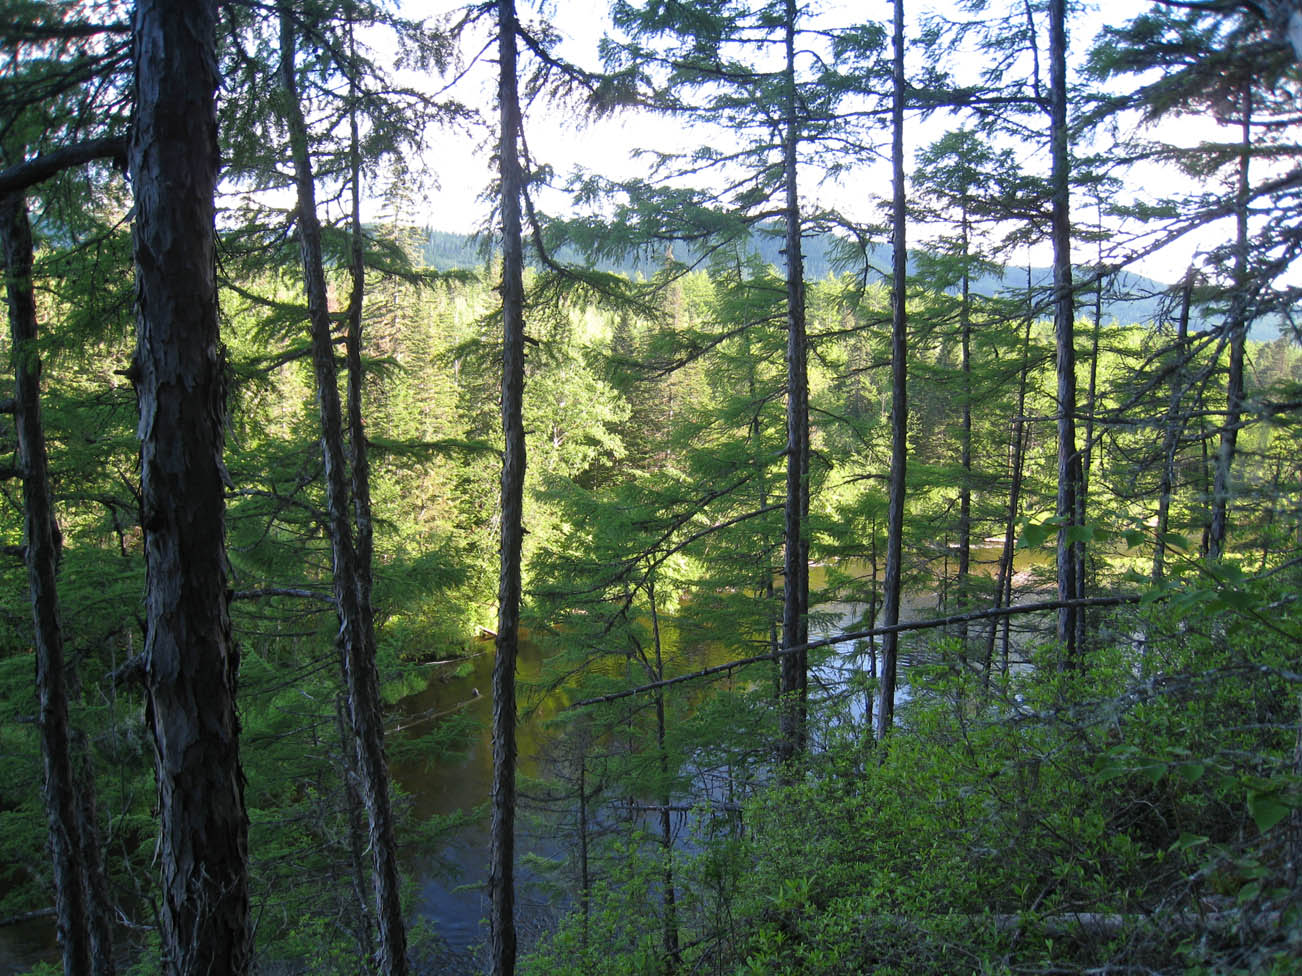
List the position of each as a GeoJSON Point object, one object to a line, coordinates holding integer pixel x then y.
{"type": "Point", "coordinates": [1097, 601]}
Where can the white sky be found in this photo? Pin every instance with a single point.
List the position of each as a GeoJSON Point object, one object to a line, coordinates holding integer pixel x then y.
{"type": "Point", "coordinates": [460, 162]}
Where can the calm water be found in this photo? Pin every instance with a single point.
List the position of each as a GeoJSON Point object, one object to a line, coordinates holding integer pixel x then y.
{"type": "Point", "coordinates": [453, 885]}
{"type": "Point", "coordinates": [452, 882]}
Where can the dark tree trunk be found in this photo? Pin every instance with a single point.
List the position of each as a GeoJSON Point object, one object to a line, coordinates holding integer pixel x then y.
{"type": "Point", "coordinates": [1016, 463]}
{"type": "Point", "coordinates": [41, 551]}
{"type": "Point", "coordinates": [354, 807]}
{"type": "Point", "coordinates": [1175, 422]}
{"type": "Point", "coordinates": [1069, 554]}
{"type": "Point", "coordinates": [99, 905]}
{"type": "Point", "coordinates": [795, 605]}
{"type": "Point", "coordinates": [42, 557]}
{"type": "Point", "coordinates": [585, 876]}
{"type": "Point", "coordinates": [1237, 327]}
{"type": "Point", "coordinates": [356, 633]}
{"type": "Point", "coordinates": [501, 877]}
{"type": "Point", "coordinates": [766, 589]}
{"type": "Point", "coordinates": [1205, 484]}
{"type": "Point", "coordinates": [191, 661]}
{"type": "Point", "coordinates": [666, 815]}
{"type": "Point", "coordinates": [871, 618]}
{"type": "Point", "coordinates": [361, 485]}
{"type": "Point", "coordinates": [1087, 448]}
{"type": "Point", "coordinates": [965, 440]}
{"type": "Point", "coordinates": [361, 465]}
{"type": "Point", "coordinates": [899, 392]}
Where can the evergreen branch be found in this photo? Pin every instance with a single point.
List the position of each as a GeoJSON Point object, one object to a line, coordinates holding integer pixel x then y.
{"type": "Point", "coordinates": [273, 591]}
{"type": "Point", "coordinates": [778, 654]}
{"type": "Point", "coordinates": [17, 33]}
{"type": "Point", "coordinates": [444, 446]}
{"type": "Point", "coordinates": [21, 176]}
{"type": "Point", "coordinates": [24, 917]}
{"type": "Point", "coordinates": [590, 81]}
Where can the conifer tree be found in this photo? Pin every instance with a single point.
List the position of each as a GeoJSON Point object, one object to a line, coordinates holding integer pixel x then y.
{"type": "Point", "coordinates": [351, 578]}
{"type": "Point", "coordinates": [64, 72]}
{"type": "Point", "coordinates": [1231, 62]}
{"type": "Point", "coordinates": [1071, 543]}
{"type": "Point", "coordinates": [41, 552]}
{"type": "Point", "coordinates": [794, 686]}
{"type": "Point", "coordinates": [700, 61]}
{"type": "Point", "coordinates": [191, 661]}
{"type": "Point", "coordinates": [961, 180]}
{"type": "Point", "coordinates": [502, 949]}
{"type": "Point", "coordinates": [897, 479]}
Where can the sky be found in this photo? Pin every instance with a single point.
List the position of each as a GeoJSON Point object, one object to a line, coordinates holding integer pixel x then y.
{"type": "Point", "coordinates": [460, 162]}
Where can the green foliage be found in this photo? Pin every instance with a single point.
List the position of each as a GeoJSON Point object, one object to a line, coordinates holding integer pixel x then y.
{"type": "Point", "coordinates": [1134, 814]}
{"type": "Point", "coordinates": [1138, 813]}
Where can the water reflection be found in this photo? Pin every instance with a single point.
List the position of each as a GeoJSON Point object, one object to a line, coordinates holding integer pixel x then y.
{"type": "Point", "coordinates": [452, 884]}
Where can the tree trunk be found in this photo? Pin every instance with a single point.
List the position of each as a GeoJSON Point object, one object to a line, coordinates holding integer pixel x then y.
{"type": "Point", "coordinates": [356, 633]}
{"type": "Point", "coordinates": [899, 392]}
{"type": "Point", "coordinates": [795, 608]}
{"type": "Point", "coordinates": [361, 465]}
{"type": "Point", "coordinates": [666, 815]}
{"type": "Point", "coordinates": [1237, 327]}
{"type": "Point", "coordinates": [585, 876]}
{"type": "Point", "coordinates": [41, 552]}
{"type": "Point", "coordinates": [871, 619]}
{"type": "Point", "coordinates": [965, 440]}
{"type": "Point", "coordinates": [353, 806]}
{"type": "Point", "coordinates": [99, 904]}
{"type": "Point", "coordinates": [501, 877]}
{"type": "Point", "coordinates": [766, 591]}
{"type": "Point", "coordinates": [191, 661]}
{"type": "Point", "coordinates": [1175, 422]}
{"type": "Point", "coordinates": [1016, 463]}
{"type": "Point", "coordinates": [361, 485]}
{"type": "Point", "coordinates": [1069, 552]}
{"type": "Point", "coordinates": [1087, 448]}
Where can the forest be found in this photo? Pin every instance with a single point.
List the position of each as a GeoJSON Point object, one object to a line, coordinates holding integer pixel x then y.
{"type": "Point", "coordinates": [869, 540]}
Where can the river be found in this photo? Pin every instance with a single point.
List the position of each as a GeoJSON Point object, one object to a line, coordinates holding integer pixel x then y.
{"type": "Point", "coordinates": [451, 883]}
{"type": "Point", "coordinates": [452, 886]}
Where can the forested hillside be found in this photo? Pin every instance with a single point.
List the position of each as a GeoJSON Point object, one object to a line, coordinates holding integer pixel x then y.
{"type": "Point", "coordinates": [1128, 298]}
{"type": "Point", "coordinates": [713, 571]}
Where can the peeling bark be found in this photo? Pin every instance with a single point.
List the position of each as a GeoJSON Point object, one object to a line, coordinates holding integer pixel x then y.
{"type": "Point", "coordinates": [191, 660]}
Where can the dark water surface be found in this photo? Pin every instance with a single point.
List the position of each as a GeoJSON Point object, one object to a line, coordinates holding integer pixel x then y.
{"type": "Point", "coordinates": [452, 882]}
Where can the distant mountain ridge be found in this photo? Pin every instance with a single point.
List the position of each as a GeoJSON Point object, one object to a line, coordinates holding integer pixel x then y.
{"type": "Point", "coordinates": [1128, 298]}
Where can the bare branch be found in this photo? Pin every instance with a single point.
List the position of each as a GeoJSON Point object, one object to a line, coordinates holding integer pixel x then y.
{"type": "Point", "coordinates": [1097, 601]}
{"type": "Point", "coordinates": [21, 176]}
